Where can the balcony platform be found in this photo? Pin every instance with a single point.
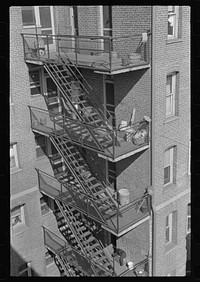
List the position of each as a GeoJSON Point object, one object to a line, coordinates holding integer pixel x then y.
{"type": "Point", "coordinates": [100, 64]}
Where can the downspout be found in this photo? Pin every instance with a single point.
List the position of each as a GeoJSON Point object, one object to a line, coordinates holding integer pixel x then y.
{"type": "Point", "coordinates": [152, 159]}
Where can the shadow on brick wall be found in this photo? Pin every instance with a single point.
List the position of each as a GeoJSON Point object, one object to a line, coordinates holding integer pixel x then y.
{"type": "Point", "coordinates": [17, 264]}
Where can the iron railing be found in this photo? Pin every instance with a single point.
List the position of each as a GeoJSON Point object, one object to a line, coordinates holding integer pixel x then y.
{"type": "Point", "coordinates": [124, 216]}
{"type": "Point", "coordinates": [101, 52]}
{"type": "Point", "coordinates": [136, 135]}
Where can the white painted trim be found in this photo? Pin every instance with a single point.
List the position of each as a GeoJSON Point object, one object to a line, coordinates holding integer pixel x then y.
{"type": "Point", "coordinates": [23, 193]}
{"type": "Point", "coordinates": [175, 198]}
{"type": "Point", "coordinates": [127, 69]}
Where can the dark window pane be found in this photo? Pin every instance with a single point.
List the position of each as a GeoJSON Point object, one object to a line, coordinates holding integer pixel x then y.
{"type": "Point", "coordinates": [35, 90]}
{"type": "Point", "coordinates": [110, 93]}
{"type": "Point", "coordinates": [107, 16]}
{"type": "Point", "coordinates": [166, 174]}
{"type": "Point", "coordinates": [50, 39]}
{"type": "Point", "coordinates": [28, 17]}
{"type": "Point", "coordinates": [34, 77]}
{"type": "Point", "coordinates": [45, 17]}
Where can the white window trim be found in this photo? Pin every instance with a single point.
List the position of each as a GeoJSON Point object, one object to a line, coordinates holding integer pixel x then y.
{"type": "Point", "coordinates": [48, 265]}
{"type": "Point", "coordinates": [171, 163]}
{"type": "Point", "coordinates": [22, 217]}
{"type": "Point", "coordinates": [13, 153]}
{"type": "Point", "coordinates": [169, 226]}
{"type": "Point", "coordinates": [175, 30]}
{"type": "Point", "coordinates": [188, 216]}
{"type": "Point", "coordinates": [39, 69]}
{"type": "Point", "coordinates": [172, 95]}
{"type": "Point", "coordinates": [189, 159]}
{"type": "Point", "coordinates": [50, 207]}
{"type": "Point", "coordinates": [28, 269]}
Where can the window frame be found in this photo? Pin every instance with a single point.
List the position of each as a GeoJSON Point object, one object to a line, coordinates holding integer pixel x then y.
{"type": "Point", "coordinates": [39, 147]}
{"type": "Point", "coordinates": [188, 218]}
{"type": "Point", "coordinates": [169, 226]}
{"type": "Point", "coordinates": [26, 269]}
{"type": "Point", "coordinates": [170, 165]}
{"type": "Point", "coordinates": [47, 257]}
{"type": "Point", "coordinates": [40, 84]}
{"type": "Point", "coordinates": [13, 153]}
{"type": "Point", "coordinates": [21, 213]}
{"type": "Point", "coordinates": [174, 14]}
{"type": "Point", "coordinates": [50, 205]}
{"type": "Point", "coordinates": [33, 14]}
{"type": "Point", "coordinates": [172, 95]}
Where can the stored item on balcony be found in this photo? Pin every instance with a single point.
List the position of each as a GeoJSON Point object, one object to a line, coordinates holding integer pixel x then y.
{"type": "Point", "coordinates": [134, 57]}
{"type": "Point", "coordinates": [125, 60]}
{"type": "Point", "coordinates": [130, 265]}
{"type": "Point", "coordinates": [139, 137]}
{"type": "Point", "coordinates": [119, 256]}
{"type": "Point", "coordinates": [124, 196]}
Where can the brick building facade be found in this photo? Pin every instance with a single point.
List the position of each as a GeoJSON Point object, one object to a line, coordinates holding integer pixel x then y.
{"type": "Point", "coordinates": [119, 87]}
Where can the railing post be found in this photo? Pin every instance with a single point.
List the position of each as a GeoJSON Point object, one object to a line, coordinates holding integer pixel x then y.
{"type": "Point", "coordinates": [110, 49]}
{"type": "Point", "coordinates": [118, 211]}
{"type": "Point", "coordinates": [48, 46]}
{"type": "Point", "coordinates": [23, 45]}
{"type": "Point", "coordinates": [37, 40]}
{"type": "Point", "coordinates": [76, 51]}
{"type": "Point", "coordinates": [114, 132]}
{"type": "Point", "coordinates": [58, 45]}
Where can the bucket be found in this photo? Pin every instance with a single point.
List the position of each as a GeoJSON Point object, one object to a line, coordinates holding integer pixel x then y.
{"type": "Point", "coordinates": [124, 196]}
{"type": "Point", "coordinates": [130, 264]}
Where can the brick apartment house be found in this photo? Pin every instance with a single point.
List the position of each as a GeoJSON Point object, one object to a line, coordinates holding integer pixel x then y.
{"type": "Point", "coordinates": [99, 140]}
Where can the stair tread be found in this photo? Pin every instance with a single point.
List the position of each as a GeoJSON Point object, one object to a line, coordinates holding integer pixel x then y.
{"type": "Point", "coordinates": [96, 253]}
{"type": "Point", "coordinates": [85, 234]}
{"type": "Point", "coordinates": [82, 228]}
{"type": "Point", "coordinates": [89, 240]}
{"type": "Point", "coordinates": [92, 247]}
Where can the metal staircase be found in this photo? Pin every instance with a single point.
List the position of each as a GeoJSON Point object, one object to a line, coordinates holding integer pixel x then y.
{"type": "Point", "coordinates": [76, 104]}
{"type": "Point", "coordinates": [82, 176]}
{"type": "Point", "coordinates": [85, 241]}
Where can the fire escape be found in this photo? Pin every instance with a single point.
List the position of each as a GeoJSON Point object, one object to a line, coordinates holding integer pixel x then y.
{"type": "Point", "coordinates": [82, 200]}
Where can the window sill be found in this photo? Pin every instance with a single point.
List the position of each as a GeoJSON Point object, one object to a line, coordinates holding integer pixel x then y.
{"type": "Point", "coordinates": [170, 247]}
{"type": "Point", "coordinates": [169, 119]}
{"type": "Point", "coordinates": [31, 26]}
{"type": "Point", "coordinates": [15, 170]}
{"type": "Point", "coordinates": [173, 40]}
{"type": "Point", "coordinates": [168, 187]}
{"type": "Point", "coordinates": [19, 229]}
{"type": "Point", "coordinates": [36, 96]}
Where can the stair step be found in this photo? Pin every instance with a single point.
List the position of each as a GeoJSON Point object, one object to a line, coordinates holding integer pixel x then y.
{"type": "Point", "coordinates": [90, 179]}
{"type": "Point", "coordinates": [89, 240]}
{"type": "Point", "coordinates": [97, 253]}
{"type": "Point", "coordinates": [82, 228]}
{"type": "Point", "coordinates": [96, 185]}
{"type": "Point", "coordinates": [97, 192]}
{"type": "Point", "coordinates": [89, 248]}
{"type": "Point", "coordinates": [107, 264]}
{"type": "Point", "coordinates": [101, 259]}
{"type": "Point", "coordinates": [85, 234]}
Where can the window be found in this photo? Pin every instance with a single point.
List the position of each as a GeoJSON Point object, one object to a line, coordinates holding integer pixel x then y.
{"type": "Point", "coordinates": [171, 228]}
{"type": "Point", "coordinates": [169, 166]}
{"type": "Point", "coordinates": [189, 218]}
{"type": "Point", "coordinates": [112, 173]}
{"type": "Point", "coordinates": [17, 216]}
{"type": "Point", "coordinates": [168, 234]}
{"type": "Point", "coordinates": [35, 82]}
{"type": "Point", "coordinates": [13, 156]}
{"type": "Point", "coordinates": [28, 15]}
{"type": "Point", "coordinates": [171, 93]}
{"type": "Point", "coordinates": [41, 146]}
{"type": "Point", "coordinates": [107, 26]}
{"type": "Point", "coordinates": [45, 204]}
{"type": "Point", "coordinates": [25, 269]}
{"type": "Point", "coordinates": [110, 104]}
{"type": "Point", "coordinates": [173, 12]}
{"type": "Point", "coordinates": [49, 258]}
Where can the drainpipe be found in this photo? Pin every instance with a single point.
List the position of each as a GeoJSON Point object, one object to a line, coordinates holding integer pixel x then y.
{"type": "Point", "coordinates": [152, 159]}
